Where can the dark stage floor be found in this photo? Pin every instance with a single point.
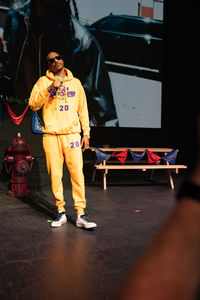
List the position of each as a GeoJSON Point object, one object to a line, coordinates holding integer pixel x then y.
{"type": "Point", "coordinates": [39, 262]}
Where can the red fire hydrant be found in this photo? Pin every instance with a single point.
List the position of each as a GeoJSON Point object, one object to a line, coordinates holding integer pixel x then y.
{"type": "Point", "coordinates": [19, 162]}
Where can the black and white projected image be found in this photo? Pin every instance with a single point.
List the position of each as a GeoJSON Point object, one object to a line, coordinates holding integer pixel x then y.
{"type": "Point", "coordinates": [114, 47]}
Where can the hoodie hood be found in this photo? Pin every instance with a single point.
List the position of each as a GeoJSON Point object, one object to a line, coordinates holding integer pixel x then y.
{"type": "Point", "coordinates": [69, 76]}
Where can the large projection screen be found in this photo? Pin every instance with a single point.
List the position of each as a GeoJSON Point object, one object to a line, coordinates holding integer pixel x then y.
{"type": "Point", "coordinates": [123, 81]}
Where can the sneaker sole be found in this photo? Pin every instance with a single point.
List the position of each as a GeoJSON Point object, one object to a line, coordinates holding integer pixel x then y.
{"type": "Point", "coordinates": [58, 225]}
{"type": "Point", "coordinates": [82, 226]}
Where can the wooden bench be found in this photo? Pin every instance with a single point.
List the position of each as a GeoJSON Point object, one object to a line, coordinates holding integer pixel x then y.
{"type": "Point", "coordinates": [142, 165]}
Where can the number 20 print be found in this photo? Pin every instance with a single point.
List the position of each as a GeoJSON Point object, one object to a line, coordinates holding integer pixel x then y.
{"type": "Point", "coordinates": [74, 145]}
{"type": "Point", "coordinates": [64, 107]}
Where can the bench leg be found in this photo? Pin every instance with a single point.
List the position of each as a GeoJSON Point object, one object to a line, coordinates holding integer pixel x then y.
{"type": "Point", "coordinates": [170, 176]}
{"type": "Point", "coordinates": [104, 179]}
{"type": "Point", "coordinates": [151, 175]}
{"type": "Point", "coordinates": [171, 179]}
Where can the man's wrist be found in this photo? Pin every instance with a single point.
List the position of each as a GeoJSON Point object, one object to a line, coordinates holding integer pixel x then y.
{"type": "Point", "coordinates": [87, 136]}
{"type": "Point", "coordinates": [49, 90]}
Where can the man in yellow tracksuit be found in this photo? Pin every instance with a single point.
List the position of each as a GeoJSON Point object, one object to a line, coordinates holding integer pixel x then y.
{"type": "Point", "coordinates": [65, 113]}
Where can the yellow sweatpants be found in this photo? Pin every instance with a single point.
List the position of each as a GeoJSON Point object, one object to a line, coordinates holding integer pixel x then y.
{"type": "Point", "coordinates": [58, 148]}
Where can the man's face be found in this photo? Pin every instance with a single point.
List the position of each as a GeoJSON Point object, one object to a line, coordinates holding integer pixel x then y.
{"type": "Point", "coordinates": [55, 62]}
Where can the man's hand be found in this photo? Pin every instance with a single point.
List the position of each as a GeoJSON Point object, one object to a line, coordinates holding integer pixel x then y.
{"type": "Point", "coordinates": [55, 84]}
{"type": "Point", "coordinates": [85, 143]}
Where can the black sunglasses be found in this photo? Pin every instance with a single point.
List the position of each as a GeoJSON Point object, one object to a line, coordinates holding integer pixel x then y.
{"type": "Point", "coordinates": [51, 60]}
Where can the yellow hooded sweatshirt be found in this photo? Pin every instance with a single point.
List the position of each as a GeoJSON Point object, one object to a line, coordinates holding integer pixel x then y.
{"type": "Point", "coordinates": [66, 111]}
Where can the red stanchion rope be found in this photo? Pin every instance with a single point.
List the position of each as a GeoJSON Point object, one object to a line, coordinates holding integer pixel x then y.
{"type": "Point", "coordinates": [16, 119]}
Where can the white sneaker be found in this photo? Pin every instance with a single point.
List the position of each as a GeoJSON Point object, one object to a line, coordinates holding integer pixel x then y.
{"type": "Point", "coordinates": [61, 219]}
{"type": "Point", "coordinates": [81, 221]}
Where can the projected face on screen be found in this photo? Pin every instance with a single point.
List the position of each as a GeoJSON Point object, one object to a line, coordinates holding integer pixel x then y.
{"type": "Point", "coordinates": [113, 47]}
